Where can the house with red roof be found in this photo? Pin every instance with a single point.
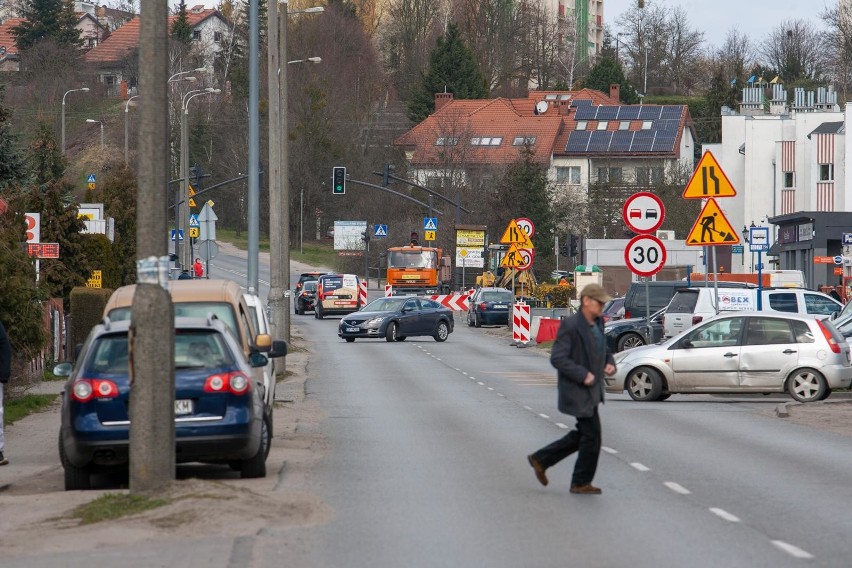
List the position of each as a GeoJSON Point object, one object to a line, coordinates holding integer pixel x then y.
{"type": "Point", "coordinates": [115, 58]}
{"type": "Point", "coordinates": [582, 137]}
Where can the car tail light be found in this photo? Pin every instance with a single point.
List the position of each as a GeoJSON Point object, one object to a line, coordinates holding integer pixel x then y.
{"type": "Point", "coordinates": [828, 337]}
{"type": "Point", "coordinates": [483, 306]}
{"type": "Point", "coordinates": [85, 390]}
{"type": "Point", "coordinates": [697, 319]}
{"type": "Point", "coordinates": [627, 314]}
{"type": "Point", "coordinates": [234, 383]}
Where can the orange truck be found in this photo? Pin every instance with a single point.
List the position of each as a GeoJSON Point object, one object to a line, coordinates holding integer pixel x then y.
{"type": "Point", "coordinates": [419, 270]}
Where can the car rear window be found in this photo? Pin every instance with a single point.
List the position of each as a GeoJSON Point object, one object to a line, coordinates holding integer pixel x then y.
{"type": "Point", "coordinates": [496, 296]}
{"type": "Point", "coordinates": [310, 286]}
{"type": "Point", "coordinates": [193, 348]}
{"type": "Point", "coordinates": [222, 310]}
{"type": "Point", "coordinates": [683, 302]}
{"type": "Point", "coordinates": [332, 283]}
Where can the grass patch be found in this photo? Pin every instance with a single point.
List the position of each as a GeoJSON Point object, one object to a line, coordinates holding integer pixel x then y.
{"type": "Point", "coordinates": [314, 253]}
{"type": "Point", "coordinates": [49, 376]}
{"type": "Point", "coordinates": [17, 408]}
{"type": "Point", "coordinates": [241, 241]}
{"type": "Point", "coordinates": [113, 506]}
{"type": "Point", "coordinates": [546, 345]}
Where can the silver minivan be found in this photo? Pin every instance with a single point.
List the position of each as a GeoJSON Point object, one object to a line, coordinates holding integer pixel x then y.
{"type": "Point", "coordinates": [740, 352]}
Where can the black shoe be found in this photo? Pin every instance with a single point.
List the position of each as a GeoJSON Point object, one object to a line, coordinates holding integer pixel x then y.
{"type": "Point", "coordinates": [539, 469]}
{"type": "Point", "coordinates": [3, 460]}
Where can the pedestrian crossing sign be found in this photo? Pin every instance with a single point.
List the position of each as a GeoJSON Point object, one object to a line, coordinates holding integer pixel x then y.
{"type": "Point", "coordinates": [430, 223]}
{"type": "Point", "coordinates": [712, 228]}
{"type": "Point", "coordinates": [91, 178]}
{"type": "Point", "coordinates": [380, 231]}
{"type": "Point", "coordinates": [193, 220]}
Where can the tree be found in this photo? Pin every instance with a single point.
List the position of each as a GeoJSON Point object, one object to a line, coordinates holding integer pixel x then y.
{"type": "Point", "coordinates": [46, 160]}
{"type": "Point", "coordinates": [44, 19]}
{"type": "Point", "coordinates": [838, 21]}
{"type": "Point", "coordinates": [452, 68]}
{"type": "Point", "coordinates": [118, 194]}
{"type": "Point", "coordinates": [181, 30]}
{"type": "Point", "coordinates": [735, 56]}
{"type": "Point", "coordinates": [13, 168]}
{"type": "Point", "coordinates": [795, 50]}
{"type": "Point", "coordinates": [684, 50]}
{"type": "Point", "coordinates": [608, 72]}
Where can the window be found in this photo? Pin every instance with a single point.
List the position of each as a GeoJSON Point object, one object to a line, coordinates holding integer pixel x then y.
{"type": "Point", "coordinates": [721, 333]}
{"type": "Point", "coordinates": [789, 180]}
{"type": "Point", "coordinates": [475, 141]}
{"type": "Point", "coordinates": [603, 125]}
{"type": "Point", "coordinates": [196, 35]}
{"type": "Point", "coordinates": [646, 125]}
{"type": "Point", "coordinates": [569, 175]}
{"type": "Point", "coordinates": [783, 302]}
{"type": "Point", "coordinates": [803, 332]}
{"type": "Point", "coordinates": [768, 331]}
{"type": "Point", "coordinates": [523, 141]}
{"type": "Point", "coordinates": [217, 36]}
{"type": "Point", "coordinates": [826, 172]}
{"type": "Point", "coordinates": [486, 141]}
{"type": "Point", "coordinates": [609, 175]}
{"type": "Point", "coordinates": [581, 124]}
{"type": "Point", "coordinates": [816, 304]}
{"type": "Point", "coordinates": [446, 141]}
{"type": "Point", "coordinates": [624, 125]}
{"type": "Point", "coordinates": [496, 141]}
{"type": "Point", "coordinates": [643, 176]}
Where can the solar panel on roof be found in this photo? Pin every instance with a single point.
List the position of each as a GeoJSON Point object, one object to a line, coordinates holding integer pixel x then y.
{"type": "Point", "coordinates": [628, 112]}
{"type": "Point", "coordinates": [621, 141]}
{"type": "Point", "coordinates": [581, 102]}
{"type": "Point", "coordinates": [600, 141]}
{"type": "Point", "coordinates": [666, 125]}
{"type": "Point", "coordinates": [585, 113]}
{"type": "Point", "coordinates": [578, 140]}
{"type": "Point", "coordinates": [641, 147]}
{"type": "Point", "coordinates": [674, 112]}
{"type": "Point", "coordinates": [607, 112]}
{"type": "Point", "coordinates": [643, 141]}
{"type": "Point", "coordinates": [664, 143]}
{"type": "Point", "coordinates": [649, 112]}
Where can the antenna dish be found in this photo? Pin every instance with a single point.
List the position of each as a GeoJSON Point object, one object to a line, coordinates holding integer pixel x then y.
{"type": "Point", "coordinates": [541, 107]}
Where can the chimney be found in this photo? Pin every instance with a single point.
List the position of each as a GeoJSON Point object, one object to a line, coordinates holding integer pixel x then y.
{"type": "Point", "coordinates": [441, 99]}
{"type": "Point", "coordinates": [615, 92]}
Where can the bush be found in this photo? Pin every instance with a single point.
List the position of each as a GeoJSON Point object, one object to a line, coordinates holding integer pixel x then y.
{"type": "Point", "coordinates": [87, 309]}
{"type": "Point", "coordinates": [557, 296]}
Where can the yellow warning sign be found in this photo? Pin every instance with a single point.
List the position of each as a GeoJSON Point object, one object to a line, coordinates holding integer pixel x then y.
{"type": "Point", "coordinates": [95, 280]}
{"type": "Point", "coordinates": [513, 257]}
{"type": "Point", "coordinates": [191, 202]}
{"type": "Point", "coordinates": [429, 235]}
{"type": "Point", "coordinates": [712, 228]}
{"type": "Point", "coordinates": [708, 180]}
{"type": "Point", "coordinates": [191, 191]}
{"type": "Point", "coordinates": [194, 232]}
{"type": "Point", "coordinates": [92, 185]}
{"type": "Point", "coordinates": [515, 235]}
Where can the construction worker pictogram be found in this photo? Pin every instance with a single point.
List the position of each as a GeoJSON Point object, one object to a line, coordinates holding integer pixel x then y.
{"type": "Point", "coordinates": [513, 257]}
{"type": "Point", "coordinates": [516, 235]}
{"type": "Point", "coordinates": [708, 180]}
{"type": "Point", "coordinates": [712, 228]}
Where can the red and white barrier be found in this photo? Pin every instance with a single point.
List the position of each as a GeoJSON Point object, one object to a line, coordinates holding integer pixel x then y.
{"type": "Point", "coordinates": [362, 292]}
{"type": "Point", "coordinates": [388, 290]}
{"type": "Point", "coordinates": [458, 302]}
{"type": "Point", "coordinates": [521, 322]}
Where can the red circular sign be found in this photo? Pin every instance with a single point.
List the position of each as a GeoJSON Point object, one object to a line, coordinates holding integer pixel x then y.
{"type": "Point", "coordinates": [645, 255]}
{"type": "Point", "coordinates": [526, 225]}
{"type": "Point", "coordinates": [528, 254]}
{"type": "Point", "coordinates": [643, 212]}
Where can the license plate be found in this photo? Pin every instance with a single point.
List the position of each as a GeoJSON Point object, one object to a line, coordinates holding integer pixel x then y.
{"type": "Point", "coordinates": [499, 307]}
{"type": "Point", "coordinates": [352, 329]}
{"type": "Point", "coordinates": [183, 407]}
{"type": "Point", "coordinates": [343, 303]}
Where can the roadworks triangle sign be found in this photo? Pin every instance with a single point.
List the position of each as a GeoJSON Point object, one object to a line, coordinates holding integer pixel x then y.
{"type": "Point", "coordinates": [515, 235]}
{"type": "Point", "coordinates": [712, 228]}
{"type": "Point", "coordinates": [708, 180]}
{"type": "Point", "coordinates": [513, 258]}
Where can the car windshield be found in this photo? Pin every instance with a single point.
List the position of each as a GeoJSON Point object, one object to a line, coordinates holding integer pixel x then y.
{"type": "Point", "coordinates": [384, 305]}
{"type": "Point", "coordinates": [412, 259]}
{"type": "Point", "coordinates": [193, 348]}
{"type": "Point", "coordinates": [310, 286]}
{"type": "Point", "coordinates": [222, 310]}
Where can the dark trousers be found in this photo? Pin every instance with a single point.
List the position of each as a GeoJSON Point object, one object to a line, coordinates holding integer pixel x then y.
{"type": "Point", "coordinates": [585, 439]}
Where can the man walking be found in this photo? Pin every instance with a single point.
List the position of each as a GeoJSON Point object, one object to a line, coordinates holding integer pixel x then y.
{"type": "Point", "coordinates": [5, 373]}
{"type": "Point", "coordinates": [581, 359]}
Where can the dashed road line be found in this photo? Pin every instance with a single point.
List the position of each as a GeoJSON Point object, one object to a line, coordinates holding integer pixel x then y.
{"type": "Point", "coordinates": [677, 488]}
{"type": "Point", "coordinates": [724, 515]}
{"type": "Point", "coordinates": [792, 550]}
{"type": "Point", "coordinates": [545, 416]}
{"type": "Point", "coordinates": [609, 450]}
{"type": "Point", "coordinates": [480, 383]}
{"type": "Point", "coordinates": [528, 408]}
{"type": "Point", "coordinates": [640, 467]}
{"type": "Point", "coordinates": [561, 425]}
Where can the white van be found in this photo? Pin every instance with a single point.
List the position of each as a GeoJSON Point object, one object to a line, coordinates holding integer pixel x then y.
{"type": "Point", "coordinates": [692, 305]}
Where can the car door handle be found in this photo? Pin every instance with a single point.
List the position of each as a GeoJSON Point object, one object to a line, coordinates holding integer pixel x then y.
{"type": "Point", "coordinates": [729, 354]}
{"type": "Point", "coordinates": [788, 351]}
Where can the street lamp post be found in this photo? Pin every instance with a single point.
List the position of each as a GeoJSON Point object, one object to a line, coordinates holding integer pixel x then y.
{"type": "Point", "coordinates": [93, 121]}
{"type": "Point", "coordinates": [279, 208]}
{"type": "Point", "coordinates": [83, 89]}
{"type": "Point", "coordinates": [179, 76]}
{"type": "Point", "coordinates": [126, 111]}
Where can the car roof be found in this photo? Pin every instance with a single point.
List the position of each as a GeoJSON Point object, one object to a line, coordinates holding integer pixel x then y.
{"type": "Point", "coordinates": [108, 326]}
{"type": "Point", "coordinates": [199, 290]}
{"type": "Point", "coordinates": [777, 315]}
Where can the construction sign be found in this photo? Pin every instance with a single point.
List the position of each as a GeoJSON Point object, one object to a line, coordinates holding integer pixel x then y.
{"type": "Point", "coordinates": [513, 257]}
{"type": "Point", "coordinates": [708, 180]}
{"type": "Point", "coordinates": [516, 235]}
{"type": "Point", "coordinates": [712, 228]}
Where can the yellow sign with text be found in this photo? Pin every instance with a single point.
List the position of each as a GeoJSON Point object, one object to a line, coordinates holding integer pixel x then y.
{"type": "Point", "coordinates": [95, 280]}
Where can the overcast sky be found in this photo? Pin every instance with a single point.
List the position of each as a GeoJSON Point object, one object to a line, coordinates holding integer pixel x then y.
{"type": "Point", "coordinates": [716, 17]}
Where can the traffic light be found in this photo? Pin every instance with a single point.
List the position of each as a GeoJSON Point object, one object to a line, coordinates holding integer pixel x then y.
{"type": "Point", "coordinates": [386, 180]}
{"type": "Point", "coordinates": [415, 239]}
{"type": "Point", "coordinates": [573, 246]}
{"type": "Point", "coordinates": [339, 180]}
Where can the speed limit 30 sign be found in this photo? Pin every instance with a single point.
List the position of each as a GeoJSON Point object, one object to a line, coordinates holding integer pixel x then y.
{"type": "Point", "coordinates": [645, 255]}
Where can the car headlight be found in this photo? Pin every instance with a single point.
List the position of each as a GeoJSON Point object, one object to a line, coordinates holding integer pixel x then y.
{"type": "Point", "coordinates": [621, 356]}
{"type": "Point", "coordinates": [375, 321]}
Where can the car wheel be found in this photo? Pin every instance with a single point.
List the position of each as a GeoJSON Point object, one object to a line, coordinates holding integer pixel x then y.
{"type": "Point", "coordinates": [664, 396]}
{"type": "Point", "coordinates": [255, 466]}
{"type": "Point", "coordinates": [442, 331]}
{"type": "Point", "coordinates": [299, 311]}
{"type": "Point", "coordinates": [349, 339]}
{"type": "Point", "coordinates": [806, 385]}
{"type": "Point", "coordinates": [644, 384]}
{"type": "Point", "coordinates": [76, 478]}
{"type": "Point", "coordinates": [469, 320]}
{"type": "Point", "coordinates": [629, 341]}
{"type": "Point", "coordinates": [477, 322]}
{"type": "Point", "coordinates": [826, 395]}
{"type": "Point", "coordinates": [390, 333]}
{"type": "Point", "coordinates": [401, 337]}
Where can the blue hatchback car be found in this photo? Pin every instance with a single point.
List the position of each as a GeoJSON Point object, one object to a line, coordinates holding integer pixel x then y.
{"type": "Point", "coordinates": [219, 412]}
{"type": "Point", "coordinates": [490, 306]}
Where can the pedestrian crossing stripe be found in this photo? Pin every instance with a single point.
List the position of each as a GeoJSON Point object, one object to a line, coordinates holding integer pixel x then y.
{"type": "Point", "coordinates": [712, 228]}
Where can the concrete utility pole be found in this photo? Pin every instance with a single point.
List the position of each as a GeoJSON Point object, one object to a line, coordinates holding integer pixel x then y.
{"type": "Point", "coordinates": [277, 285]}
{"type": "Point", "coordinates": [284, 232]}
{"type": "Point", "coordinates": [253, 153]}
{"type": "Point", "coordinates": [152, 429]}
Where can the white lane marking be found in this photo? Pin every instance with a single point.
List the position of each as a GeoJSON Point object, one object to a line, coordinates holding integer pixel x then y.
{"type": "Point", "coordinates": [459, 370]}
{"type": "Point", "coordinates": [724, 514]}
{"type": "Point", "coordinates": [561, 425]}
{"type": "Point", "coordinates": [438, 358]}
{"type": "Point", "coordinates": [677, 488]}
{"type": "Point", "coordinates": [480, 383]}
{"type": "Point", "coordinates": [501, 394]}
{"type": "Point", "coordinates": [463, 373]}
{"type": "Point", "coordinates": [640, 467]}
{"type": "Point", "coordinates": [609, 450]}
{"type": "Point", "coordinates": [544, 416]}
{"type": "Point", "coordinates": [491, 389]}
{"type": "Point", "coordinates": [792, 550]}
{"type": "Point", "coordinates": [527, 408]}
{"type": "Point", "coordinates": [473, 378]}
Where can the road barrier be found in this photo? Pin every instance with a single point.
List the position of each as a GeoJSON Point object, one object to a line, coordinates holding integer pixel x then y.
{"type": "Point", "coordinates": [362, 293]}
{"type": "Point", "coordinates": [457, 302]}
{"type": "Point", "coordinates": [521, 323]}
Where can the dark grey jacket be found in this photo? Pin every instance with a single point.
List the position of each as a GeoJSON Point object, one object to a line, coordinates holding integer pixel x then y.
{"type": "Point", "coordinates": [5, 355]}
{"type": "Point", "coordinates": [573, 358]}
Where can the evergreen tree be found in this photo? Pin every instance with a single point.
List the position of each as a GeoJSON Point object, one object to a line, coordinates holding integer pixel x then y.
{"type": "Point", "coordinates": [181, 30]}
{"type": "Point", "coordinates": [43, 19]}
{"type": "Point", "coordinates": [119, 198]}
{"type": "Point", "coordinates": [609, 72]}
{"type": "Point", "coordinates": [46, 160]}
{"type": "Point", "coordinates": [721, 93]}
{"type": "Point", "coordinates": [452, 66]}
{"type": "Point", "coordinates": [13, 169]}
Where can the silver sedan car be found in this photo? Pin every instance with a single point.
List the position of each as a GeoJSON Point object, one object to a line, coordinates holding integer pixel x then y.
{"type": "Point", "coordinates": [740, 352]}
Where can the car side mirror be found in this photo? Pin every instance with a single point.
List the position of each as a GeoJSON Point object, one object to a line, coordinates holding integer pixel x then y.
{"type": "Point", "coordinates": [279, 349]}
{"type": "Point", "coordinates": [258, 360]}
{"type": "Point", "coordinates": [686, 344]}
{"type": "Point", "coordinates": [63, 370]}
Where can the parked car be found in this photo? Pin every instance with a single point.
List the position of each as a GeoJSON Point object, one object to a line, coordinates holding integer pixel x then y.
{"type": "Point", "coordinates": [629, 333]}
{"type": "Point", "coordinates": [260, 321]}
{"type": "Point", "coordinates": [306, 297]}
{"type": "Point", "coordinates": [613, 310]}
{"type": "Point", "coordinates": [740, 352]}
{"type": "Point", "coordinates": [659, 295]}
{"type": "Point", "coordinates": [692, 305]}
{"type": "Point", "coordinates": [219, 409]}
{"type": "Point", "coordinates": [397, 318]}
{"type": "Point", "coordinates": [490, 306]}
{"type": "Point", "coordinates": [307, 277]}
{"type": "Point", "coordinates": [336, 294]}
